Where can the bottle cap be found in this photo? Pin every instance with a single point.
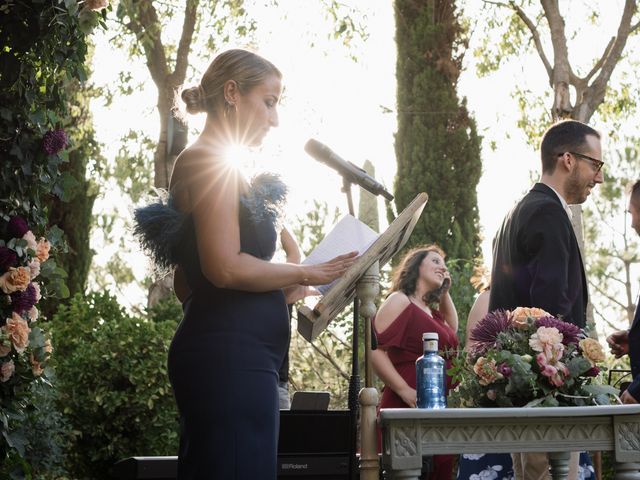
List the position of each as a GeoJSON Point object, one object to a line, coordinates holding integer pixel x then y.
{"type": "Point", "coordinates": [430, 336]}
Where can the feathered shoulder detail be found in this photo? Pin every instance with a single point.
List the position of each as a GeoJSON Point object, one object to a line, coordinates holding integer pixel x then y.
{"type": "Point", "coordinates": [160, 228]}
{"type": "Point", "coordinates": [265, 198]}
{"type": "Point", "coordinates": [163, 230]}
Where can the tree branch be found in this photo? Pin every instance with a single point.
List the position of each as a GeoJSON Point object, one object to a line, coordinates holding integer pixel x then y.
{"type": "Point", "coordinates": [536, 38]}
{"type": "Point", "coordinates": [606, 295]}
{"type": "Point", "coordinates": [624, 28]}
{"type": "Point", "coordinates": [146, 27]}
{"type": "Point", "coordinates": [600, 61]}
{"type": "Point", "coordinates": [330, 359]}
{"type": "Point", "coordinates": [184, 46]}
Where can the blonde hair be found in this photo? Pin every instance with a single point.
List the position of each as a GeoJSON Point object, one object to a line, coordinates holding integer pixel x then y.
{"type": "Point", "coordinates": [246, 68]}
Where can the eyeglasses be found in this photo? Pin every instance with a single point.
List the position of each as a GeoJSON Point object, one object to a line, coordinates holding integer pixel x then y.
{"type": "Point", "coordinates": [596, 163]}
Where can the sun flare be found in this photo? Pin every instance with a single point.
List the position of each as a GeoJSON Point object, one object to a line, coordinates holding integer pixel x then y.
{"type": "Point", "coordinates": [239, 157]}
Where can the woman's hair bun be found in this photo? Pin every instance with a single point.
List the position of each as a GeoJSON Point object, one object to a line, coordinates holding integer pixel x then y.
{"type": "Point", "coordinates": [194, 100]}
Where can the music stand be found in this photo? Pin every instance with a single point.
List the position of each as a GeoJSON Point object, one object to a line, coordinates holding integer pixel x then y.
{"type": "Point", "coordinates": [311, 322]}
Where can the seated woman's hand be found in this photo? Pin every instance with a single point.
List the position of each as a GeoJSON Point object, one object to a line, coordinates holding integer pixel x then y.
{"type": "Point", "coordinates": [323, 273]}
{"type": "Point", "coordinates": [408, 396]}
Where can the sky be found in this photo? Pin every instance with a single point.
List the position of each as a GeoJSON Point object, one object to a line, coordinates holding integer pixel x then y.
{"type": "Point", "coordinates": [348, 105]}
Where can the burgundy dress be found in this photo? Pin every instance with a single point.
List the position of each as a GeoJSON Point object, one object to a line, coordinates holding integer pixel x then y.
{"type": "Point", "coordinates": [403, 342]}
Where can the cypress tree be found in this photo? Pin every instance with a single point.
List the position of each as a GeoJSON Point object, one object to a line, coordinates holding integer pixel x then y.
{"type": "Point", "coordinates": [437, 145]}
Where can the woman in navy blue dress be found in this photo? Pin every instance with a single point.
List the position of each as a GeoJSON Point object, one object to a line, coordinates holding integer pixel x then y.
{"type": "Point", "coordinates": [221, 231]}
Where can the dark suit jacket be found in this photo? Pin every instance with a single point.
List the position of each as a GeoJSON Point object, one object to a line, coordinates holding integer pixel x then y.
{"type": "Point", "coordinates": [536, 260]}
{"type": "Point", "coordinates": [634, 355]}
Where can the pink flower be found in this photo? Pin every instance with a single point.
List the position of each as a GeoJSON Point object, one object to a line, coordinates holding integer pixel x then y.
{"type": "Point", "coordinates": [33, 313]}
{"type": "Point", "coordinates": [34, 268]}
{"type": "Point", "coordinates": [36, 287]}
{"type": "Point", "coordinates": [31, 240]}
{"type": "Point", "coordinates": [554, 370]}
{"type": "Point", "coordinates": [547, 340]}
{"type": "Point", "coordinates": [42, 249]}
{"type": "Point", "coordinates": [96, 4]}
{"type": "Point", "coordinates": [6, 370]}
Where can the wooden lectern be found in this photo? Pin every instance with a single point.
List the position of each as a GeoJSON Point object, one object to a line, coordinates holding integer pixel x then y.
{"type": "Point", "coordinates": [362, 281]}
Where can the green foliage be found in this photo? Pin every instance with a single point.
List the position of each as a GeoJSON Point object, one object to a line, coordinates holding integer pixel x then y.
{"type": "Point", "coordinates": [324, 364]}
{"type": "Point", "coordinates": [612, 246]}
{"type": "Point", "coordinates": [47, 434]}
{"type": "Point", "coordinates": [43, 50]}
{"type": "Point", "coordinates": [437, 145]}
{"type": "Point", "coordinates": [113, 384]}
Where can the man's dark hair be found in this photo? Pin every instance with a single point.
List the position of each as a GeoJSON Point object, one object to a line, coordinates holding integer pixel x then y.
{"type": "Point", "coordinates": [564, 136]}
{"type": "Point", "coordinates": [635, 193]}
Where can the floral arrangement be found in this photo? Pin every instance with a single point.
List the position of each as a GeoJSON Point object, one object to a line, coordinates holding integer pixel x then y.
{"type": "Point", "coordinates": [529, 358]}
{"type": "Point", "coordinates": [24, 347]}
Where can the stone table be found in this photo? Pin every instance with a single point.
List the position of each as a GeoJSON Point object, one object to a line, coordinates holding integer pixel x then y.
{"type": "Point", "coordinates": [410, 433]}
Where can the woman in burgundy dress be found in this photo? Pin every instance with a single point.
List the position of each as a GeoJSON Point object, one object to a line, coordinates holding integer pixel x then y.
{"type": "Point", "coordinates": [419, 302]}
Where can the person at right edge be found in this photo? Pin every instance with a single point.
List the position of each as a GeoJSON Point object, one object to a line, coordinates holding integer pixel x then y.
{"type": "Point", "coordinates": [536, 257]}
{"type": "Point", "coordinates": [628, 341]}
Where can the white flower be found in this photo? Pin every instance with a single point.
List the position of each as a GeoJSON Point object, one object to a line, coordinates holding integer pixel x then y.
{"type": "Point", "coordinates": [473, 456]}
{"type": "Point", "coordinates": [488, 474]}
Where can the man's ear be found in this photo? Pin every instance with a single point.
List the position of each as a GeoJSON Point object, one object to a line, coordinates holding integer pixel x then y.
{"type": "Point", "coordinates": [231, 92]}
{"type": "Point", "coordinates": [566, 161]}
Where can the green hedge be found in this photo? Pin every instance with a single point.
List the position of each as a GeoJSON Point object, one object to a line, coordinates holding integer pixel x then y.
{"type": "Point", "coordinates": [112, 382]}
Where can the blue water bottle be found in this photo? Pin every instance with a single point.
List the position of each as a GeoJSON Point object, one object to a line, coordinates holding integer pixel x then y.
{"type": "Point", "coordinates": [430, 377]}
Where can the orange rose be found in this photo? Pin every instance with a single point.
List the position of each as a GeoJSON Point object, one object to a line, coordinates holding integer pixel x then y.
{"type": "Point", "coordinates": [16, 279]}
{"type": "Point", "coordinates": [487, 371]}
{"type": "Point", "coordinates": [592, 350]}
{"type": "Point", "coordinates": [42, 250]}
{"type": "Point", "coordinates": [522, 316]}
{"type": "Point", "coordinates": [17, 330]}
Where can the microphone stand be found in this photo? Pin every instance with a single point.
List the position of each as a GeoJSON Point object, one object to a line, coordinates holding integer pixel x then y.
{"type": "Point", "coordinates": [354, 380]}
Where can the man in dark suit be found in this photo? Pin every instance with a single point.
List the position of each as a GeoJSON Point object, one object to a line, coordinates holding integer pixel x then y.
{"type": "Point", "coordinates": [628, 341]}
{"type": "Point", "coordinates": [536, 258]}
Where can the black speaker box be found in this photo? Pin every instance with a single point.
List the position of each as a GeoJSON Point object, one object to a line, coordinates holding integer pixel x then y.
{"type": "Point", "coordinates": [313, 445]}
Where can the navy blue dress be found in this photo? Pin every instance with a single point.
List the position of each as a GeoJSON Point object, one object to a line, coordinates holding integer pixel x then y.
{"type": "Point", "coordinates": [225, 356]}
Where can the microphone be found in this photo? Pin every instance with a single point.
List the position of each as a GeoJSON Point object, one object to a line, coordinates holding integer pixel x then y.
{"type": "Point", "coordinates": [348, 170]}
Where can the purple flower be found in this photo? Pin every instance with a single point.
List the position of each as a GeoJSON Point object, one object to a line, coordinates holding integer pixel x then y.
{"type": "Point", "coordinates": [504, 369]}
{"type": "Point", "coordinates": [17, 227]}
{"type": "Point", "coordinates": [485, 333]}
{"type": "Point", "coordinates": [23, 301]}
{"type": "Point", "coordinates": [570, 333]}
{"type": "Point", "coordinates": [54, 141]}
{"type": "Point", "coordinates": [8, 258]}
{"type": "Point", "coordinates": [592, 372]}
